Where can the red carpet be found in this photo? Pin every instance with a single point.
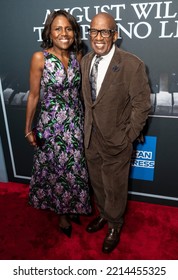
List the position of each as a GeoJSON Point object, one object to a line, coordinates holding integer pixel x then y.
{"type": "Point", "coordinates": [150, 232]}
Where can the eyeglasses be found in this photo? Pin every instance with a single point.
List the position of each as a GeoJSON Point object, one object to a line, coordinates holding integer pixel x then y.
{"type": "Point", "coordinates": [105, 33]}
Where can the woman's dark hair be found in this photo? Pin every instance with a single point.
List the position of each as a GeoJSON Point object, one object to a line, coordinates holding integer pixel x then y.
{"type": "Point", "coordinates": [47, 43]}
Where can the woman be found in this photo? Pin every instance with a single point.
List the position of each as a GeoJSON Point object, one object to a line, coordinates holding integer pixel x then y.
{"type": "Point", "coordinates": [59, 176]}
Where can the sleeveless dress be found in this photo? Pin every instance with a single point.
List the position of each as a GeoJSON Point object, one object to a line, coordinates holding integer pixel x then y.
{"type": "Point", "coordinates": [59, 180]}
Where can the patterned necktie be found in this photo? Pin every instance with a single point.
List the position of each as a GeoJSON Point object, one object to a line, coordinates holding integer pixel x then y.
{"type": "Point", "coordinates": [93, 77]}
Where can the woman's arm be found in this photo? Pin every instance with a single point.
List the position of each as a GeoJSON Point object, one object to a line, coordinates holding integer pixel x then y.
{"type": "Point", "coordinates": [36, 68]}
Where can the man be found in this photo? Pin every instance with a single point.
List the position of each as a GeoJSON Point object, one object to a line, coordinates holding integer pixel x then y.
{"type": "Point", "coordinates": [113, 120]}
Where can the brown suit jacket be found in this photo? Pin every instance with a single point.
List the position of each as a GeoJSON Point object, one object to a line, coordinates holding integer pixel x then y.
{"type": "Point", "coordinates": [123, 103]}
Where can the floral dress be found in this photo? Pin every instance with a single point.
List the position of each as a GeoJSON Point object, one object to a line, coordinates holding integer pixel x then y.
{"type": "Point", "coordinates": [59, 176]}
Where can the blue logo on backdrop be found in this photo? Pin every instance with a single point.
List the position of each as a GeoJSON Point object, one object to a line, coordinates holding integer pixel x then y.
{"type": "Point", "coordinates": [143, 159]}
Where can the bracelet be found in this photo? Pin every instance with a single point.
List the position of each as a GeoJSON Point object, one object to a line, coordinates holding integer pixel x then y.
{"type": "Point", "coordinates": [28, 134]}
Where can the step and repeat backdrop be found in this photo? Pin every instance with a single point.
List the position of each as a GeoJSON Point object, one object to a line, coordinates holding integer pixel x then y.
{"type": "Point", "coordinates": [148, 29]}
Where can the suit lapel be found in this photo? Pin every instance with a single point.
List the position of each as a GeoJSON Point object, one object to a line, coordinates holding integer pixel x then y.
{"type": "Point", "coordinates": [111, 73]}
